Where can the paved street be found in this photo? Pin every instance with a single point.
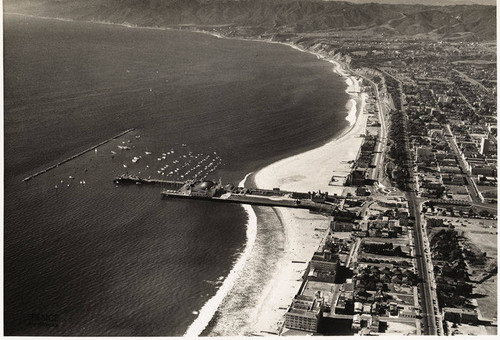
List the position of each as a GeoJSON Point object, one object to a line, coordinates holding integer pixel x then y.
{"type": "Point", "coordinates": [428, 317]}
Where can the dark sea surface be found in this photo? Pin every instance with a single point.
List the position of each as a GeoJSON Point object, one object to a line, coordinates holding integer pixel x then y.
{"type": "Point", "coordinates": [84, 256]}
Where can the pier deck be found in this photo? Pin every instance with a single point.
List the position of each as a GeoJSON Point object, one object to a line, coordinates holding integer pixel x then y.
{"type": "Point", "coordinates": [321, 203]}
{"type": "Point", "coordinates": [272, 201]}
{"type": "Point", "coordinates": [131, 179]}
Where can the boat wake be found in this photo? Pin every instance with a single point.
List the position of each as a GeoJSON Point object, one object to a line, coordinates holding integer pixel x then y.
{"type": "Point", "coordinates": [208, 310]}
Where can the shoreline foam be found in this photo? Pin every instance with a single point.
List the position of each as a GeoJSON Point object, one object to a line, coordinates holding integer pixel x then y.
{"type": "Point", "coordinates": [270, 307]}
{"type": "Point", "coordinates": [307, 171]}
{"type": "Point", "coordinates": [209, 309]}
{"type": "Point", "coordinates": [302, 230]}
{"type": "Point", "coordinates": [310, 170]}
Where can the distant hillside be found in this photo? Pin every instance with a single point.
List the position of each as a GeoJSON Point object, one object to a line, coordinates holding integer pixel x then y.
{"type": "Point", "coordinates": [278, 16]}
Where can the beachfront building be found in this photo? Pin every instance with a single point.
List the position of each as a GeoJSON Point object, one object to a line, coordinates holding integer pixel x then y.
{"type": "Point", "coordinates": [304, 313]}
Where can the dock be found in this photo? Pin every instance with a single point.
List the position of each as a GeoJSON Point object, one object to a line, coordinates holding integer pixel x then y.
{"type": "Point", "coordinates": [77, 155]}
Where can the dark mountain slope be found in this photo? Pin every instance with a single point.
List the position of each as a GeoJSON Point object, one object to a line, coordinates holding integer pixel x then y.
{"type": "Point", "coordinates": [275, 16]}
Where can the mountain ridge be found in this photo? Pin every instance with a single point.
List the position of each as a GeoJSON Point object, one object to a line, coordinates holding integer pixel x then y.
{"type": "Point", "coordinates": [279, 16]}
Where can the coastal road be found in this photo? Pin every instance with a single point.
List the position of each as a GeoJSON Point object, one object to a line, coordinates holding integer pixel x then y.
{"type": "Point", "coordinates": [428, 316]}
{"type": "Point", "coordinates": [381, 149]}
{"type": "Point", "coordinates": [378, 171]}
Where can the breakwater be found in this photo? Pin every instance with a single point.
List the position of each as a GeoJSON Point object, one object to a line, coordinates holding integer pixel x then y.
{"type": "Point", "coordinates": [77, 155]}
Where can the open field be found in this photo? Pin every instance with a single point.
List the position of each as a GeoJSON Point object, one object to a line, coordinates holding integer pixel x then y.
{"type": "Point", "coordinates": [488, 303]}
{"type": "Point", "coordinates": [400, 328]}
{"type": "Point", "coordinates": [483, 234]}
{"type": "Point", "coordinates": [399, 241]}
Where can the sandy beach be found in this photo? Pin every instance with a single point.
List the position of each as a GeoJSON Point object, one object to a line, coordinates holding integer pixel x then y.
{"type": "Point", "coordinates": [308, 171]}
{"type": "Point", "coordinates": [312, 170]}
{"type": "Point", "coordinates": [256, 294]}
{"type": "Point", "coordinates": [294, 234]}
{"type": "Point", "coordinates": [287, 238]}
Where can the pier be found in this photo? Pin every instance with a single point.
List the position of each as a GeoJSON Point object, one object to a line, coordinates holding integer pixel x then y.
{"type": "Point", "coordinates": [131, 179]}
{"type": "Point", "coordinates": [216, 192]}
{"type": "Point", "coordinates": [211, 191]}
{"type": "Point", "coordinates": [328, 209]}
{"type": "Point", "coordinates": [77, 155]}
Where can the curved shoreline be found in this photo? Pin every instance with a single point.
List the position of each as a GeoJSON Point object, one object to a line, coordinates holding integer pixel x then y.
{"type": "Point", "coordinates": [210, 307]}
{"type": "Point", "coordinates": [299, 240]}
{"type": "Point", "coordinates": [266, 315]}
{"type": "Point", "coordinates": [306, 171]}
{"type": "Point", "coordinates": [287, 219]}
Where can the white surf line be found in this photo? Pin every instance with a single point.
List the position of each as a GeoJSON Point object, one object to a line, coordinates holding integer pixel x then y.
{"type": "Point", "coordinates": [351, 116]}
{"type": "Point", "coordinates": [208, 310]}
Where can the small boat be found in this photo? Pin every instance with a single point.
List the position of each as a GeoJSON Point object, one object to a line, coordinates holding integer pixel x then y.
{"type": "Point", "coordinates": [135, 159]}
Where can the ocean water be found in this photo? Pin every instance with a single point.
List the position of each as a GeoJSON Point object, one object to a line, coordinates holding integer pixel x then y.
{"type": "Point", "coordinates": [84, 256]}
